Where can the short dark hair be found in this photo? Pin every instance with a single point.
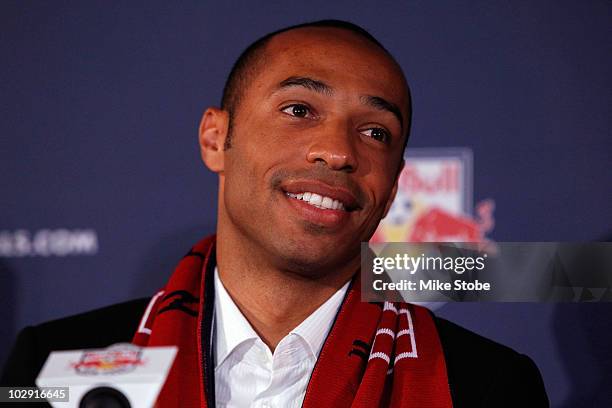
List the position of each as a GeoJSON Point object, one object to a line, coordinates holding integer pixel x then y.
{"type": "Point", "coordinates": [249, 62]}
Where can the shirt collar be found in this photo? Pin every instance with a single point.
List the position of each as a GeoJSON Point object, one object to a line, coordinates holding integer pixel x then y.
{"type": "Point", "coordinates": [233, 329]}
{"type": "Point", "coordinates": [315, 328]}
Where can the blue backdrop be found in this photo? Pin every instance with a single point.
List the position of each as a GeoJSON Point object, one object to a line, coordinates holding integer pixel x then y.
{"type": "Point", "coordinates": [103, 189]}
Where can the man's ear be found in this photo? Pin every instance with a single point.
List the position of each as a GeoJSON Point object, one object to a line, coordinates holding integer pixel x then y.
{"type": "Point", "coordinates": [213, 131]}
{"type": "Point", "coordinates": [394, 190]}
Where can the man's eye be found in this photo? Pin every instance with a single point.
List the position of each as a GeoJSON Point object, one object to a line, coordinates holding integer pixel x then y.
{"type": "Point", "coordinates": [379, 134]}
{"type": "Point", "coordinates": [297, 110]}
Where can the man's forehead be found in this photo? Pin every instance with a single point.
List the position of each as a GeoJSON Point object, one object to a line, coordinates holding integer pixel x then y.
{"type": "Point", "coordinates": [323, 40]}
{"type": "Point", "coordinates": [322, 50]}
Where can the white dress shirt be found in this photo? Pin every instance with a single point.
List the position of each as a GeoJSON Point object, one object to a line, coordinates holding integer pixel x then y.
{"type": "Point", "coordinates": [247, 374]}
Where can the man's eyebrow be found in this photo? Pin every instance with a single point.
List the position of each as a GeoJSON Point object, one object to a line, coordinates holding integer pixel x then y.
{"type": "Point", "coordinates": [384, 105]}
{"type": "Point", "coordinates": [308, 83]}
{"type": "Point", "coordinates": [321, 87]}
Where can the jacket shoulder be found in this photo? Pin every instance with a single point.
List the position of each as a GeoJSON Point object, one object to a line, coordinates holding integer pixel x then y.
{"type": "Point", "coordinates": [482, 372]}
{"type": "Point", "coordinates": [97, 328]}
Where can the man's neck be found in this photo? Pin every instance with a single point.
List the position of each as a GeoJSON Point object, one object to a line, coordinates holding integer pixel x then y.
{"type": "Point", "coordinates": [274, 301]}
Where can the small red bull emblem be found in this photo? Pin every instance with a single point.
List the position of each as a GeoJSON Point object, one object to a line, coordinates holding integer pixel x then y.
{"type": "Point", "coordinates": [434, 201]}
{"type": "Point", "coordinates": [116, 359]}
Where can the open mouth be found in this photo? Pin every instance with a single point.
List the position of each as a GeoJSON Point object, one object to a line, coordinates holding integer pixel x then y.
{"type": "Point", "coordinates": [318, 201]}
{"type": "Point", "coordinates": [322, 204]}
{"type": "Point", "coordinates": [322, 196]}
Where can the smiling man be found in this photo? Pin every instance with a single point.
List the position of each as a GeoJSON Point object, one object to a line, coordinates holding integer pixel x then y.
{"type": "Point", "coordinates": [308, 145]}
{"type": "Point", "coordinates": [316, 137]}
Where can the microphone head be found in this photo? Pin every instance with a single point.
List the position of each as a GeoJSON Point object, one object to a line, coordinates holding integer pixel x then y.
{"type": "Point", "coordinates": [104, 397]}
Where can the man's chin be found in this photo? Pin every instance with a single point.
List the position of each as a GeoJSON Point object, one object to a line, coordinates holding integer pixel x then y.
{"type": "Point", "coordinates": [316, 260]}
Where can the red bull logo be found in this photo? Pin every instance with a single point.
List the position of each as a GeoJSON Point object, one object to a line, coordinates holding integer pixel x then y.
{"type": "Point", "coordinates": [446, 179]}
{"type": "Point", "coordinates": [121, 358]}
{"type": "Point", "coordinates": [434, 201]}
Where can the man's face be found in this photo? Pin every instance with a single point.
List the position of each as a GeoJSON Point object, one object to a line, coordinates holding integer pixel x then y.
{"type": "Point", "coordinates": [316, 146]}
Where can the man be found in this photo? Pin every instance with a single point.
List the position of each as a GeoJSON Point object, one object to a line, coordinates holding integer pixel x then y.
{"type": "Point", "coordinates": [308, 146]}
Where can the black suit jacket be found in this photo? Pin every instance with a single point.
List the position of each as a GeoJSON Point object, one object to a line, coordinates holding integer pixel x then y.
{"type": "Point", "coordinates": [481, 373]}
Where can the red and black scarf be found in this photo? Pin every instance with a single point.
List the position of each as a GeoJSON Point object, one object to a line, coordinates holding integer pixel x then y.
{"type": "Point", "coordinates": [376, 354]}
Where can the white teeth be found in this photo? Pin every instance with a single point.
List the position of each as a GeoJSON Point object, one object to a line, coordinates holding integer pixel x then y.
{"type": "Point", "coordinates": [318, 200]}
{"type": "Point", "coordinates": [315, 199]}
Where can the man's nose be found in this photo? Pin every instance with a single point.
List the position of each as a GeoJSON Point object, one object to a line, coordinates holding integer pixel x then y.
{"type": "Point", "coordinates": [334, 145]}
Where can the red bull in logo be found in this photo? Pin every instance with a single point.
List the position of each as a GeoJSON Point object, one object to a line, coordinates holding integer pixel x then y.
{"type": "Point", "coordinates": [119, 358]}
{"type": "Point", "coordinates": [434, 201]}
